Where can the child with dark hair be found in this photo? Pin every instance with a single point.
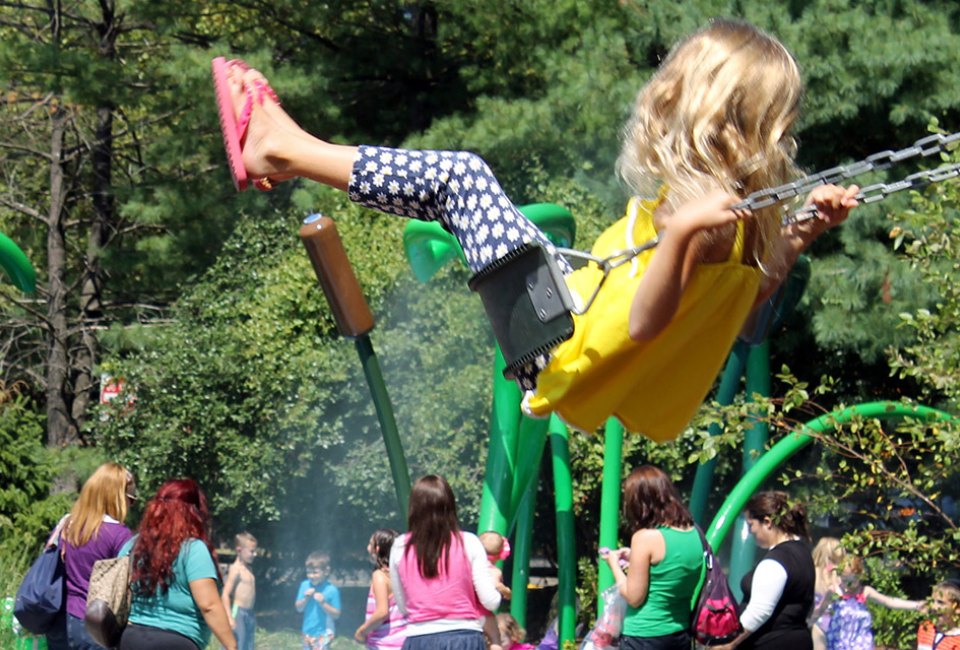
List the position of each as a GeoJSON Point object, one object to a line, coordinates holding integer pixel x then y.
{"type": "Point", "coordinates": [384, 627]}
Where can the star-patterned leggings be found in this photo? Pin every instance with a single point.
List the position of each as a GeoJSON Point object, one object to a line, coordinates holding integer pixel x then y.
{"type": "Point", "coordinates": [458, 190]}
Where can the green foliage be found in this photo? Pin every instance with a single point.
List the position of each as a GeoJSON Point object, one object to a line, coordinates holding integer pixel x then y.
{"type": "Point", "coordinates": [928, 235]}
{"type": "Point", "coordinates": [27, 514]}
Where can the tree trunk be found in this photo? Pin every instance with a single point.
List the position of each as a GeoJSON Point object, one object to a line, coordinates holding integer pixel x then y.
{"type": "Point", "coordinates": [61, 430]}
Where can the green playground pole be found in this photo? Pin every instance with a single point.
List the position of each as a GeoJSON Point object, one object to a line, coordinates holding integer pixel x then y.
{"type": "Point", "coordinates": [729, 384]}
{"type": "Point", "coordinates": [566, 533]}
{"type": "Point", "coordinates": [771, 461]}
{"type": "Point", "coordinates": [388, 424]}
{"type": "Point", "coordinates": [743, 550]}
{"type": "Point", "coordinates": [609, 501]}
{"type": "Point", "coordinates": [495, 502]}
{"type": "Point", "coordinates": [522, 546]}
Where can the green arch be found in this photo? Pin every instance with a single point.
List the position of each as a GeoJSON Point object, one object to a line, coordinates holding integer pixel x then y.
{"type": "Point", "coordinates": [18, 267]}
{"type": "Point", "coordinates": [797, 440]}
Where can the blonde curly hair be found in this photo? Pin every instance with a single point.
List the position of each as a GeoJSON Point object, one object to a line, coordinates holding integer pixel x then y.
{"type": "Point", "coordinates": [717, 114]}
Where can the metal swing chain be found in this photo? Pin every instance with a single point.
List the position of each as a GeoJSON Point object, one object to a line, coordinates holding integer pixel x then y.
{"type": "Point", "coordinates": [924, 147]}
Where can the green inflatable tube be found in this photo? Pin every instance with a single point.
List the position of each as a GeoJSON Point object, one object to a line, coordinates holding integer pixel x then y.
{"type": "Point", "coordinates": [14, 261]}
{"type": "Point", "coordinates": [794, 442]}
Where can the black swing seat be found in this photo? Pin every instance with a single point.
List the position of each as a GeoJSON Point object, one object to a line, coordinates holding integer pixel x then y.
{"type": "Point", "coordinates": [527, 302]}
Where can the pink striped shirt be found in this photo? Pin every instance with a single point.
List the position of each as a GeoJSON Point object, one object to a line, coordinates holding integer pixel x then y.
{"type": "Point", "coordinates": [390, 634]}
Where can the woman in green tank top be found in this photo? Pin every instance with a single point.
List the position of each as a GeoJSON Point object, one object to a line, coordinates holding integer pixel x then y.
{"type": "Point", "coordinates": [664, 563]}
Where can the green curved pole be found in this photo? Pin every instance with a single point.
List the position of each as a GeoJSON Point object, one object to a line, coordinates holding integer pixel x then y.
{"type": "Point", "coordinates": [795, 441]}
{"type": "Point", "coordinates": [729, 385]}
{"type": "Point", "coordinates": [522, 543]}
{"type": "Point", "coordinates": [566, 533]}
{"type": "Point", "coordinates": [743, 550]}
{"type": "Point", "coordinates": [609, 501]}
{"type": "Point", "coordinates": [14, 261]}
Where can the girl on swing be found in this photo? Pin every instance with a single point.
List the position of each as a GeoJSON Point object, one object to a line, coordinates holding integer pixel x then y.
{"type": "Point", "coordinates": [710, 127]}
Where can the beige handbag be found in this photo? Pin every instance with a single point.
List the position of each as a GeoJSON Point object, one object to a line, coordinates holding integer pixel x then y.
{"type": "Point", "coordinates": [108, 600]}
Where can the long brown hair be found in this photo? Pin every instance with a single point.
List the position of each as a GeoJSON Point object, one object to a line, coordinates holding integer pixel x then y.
{"type": "Point", "coordinates": [785, 514]}
{"type": "Point", "coordinates": [104, 493]}
{"type": "Point", "coordinates": [650, 499]}
{"type": "Point", "coordinates": [432, 522]}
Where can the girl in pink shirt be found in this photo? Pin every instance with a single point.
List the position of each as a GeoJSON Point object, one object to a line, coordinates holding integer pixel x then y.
{"type": "Point", "coordinates": [439, 574]}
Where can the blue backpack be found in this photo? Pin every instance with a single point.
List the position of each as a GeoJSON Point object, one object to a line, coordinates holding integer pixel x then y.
{"type": "Point", "coordinates": [41, 597]}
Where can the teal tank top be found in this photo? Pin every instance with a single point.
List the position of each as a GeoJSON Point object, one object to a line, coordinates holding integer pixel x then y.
{"type": "Point", "coordinates": [673, 583]}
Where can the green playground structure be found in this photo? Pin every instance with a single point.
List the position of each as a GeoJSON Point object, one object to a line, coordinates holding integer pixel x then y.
{"type": "Point", "coordinates": [14, 261]}
{"type": "Point", "coordinates": [517, 443]}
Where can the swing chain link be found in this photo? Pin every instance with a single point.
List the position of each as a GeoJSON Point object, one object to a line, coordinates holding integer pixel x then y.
{"type": "Point", "coordinates": [765, 198]}
{"type": "Point", "coordinates": [925, 147]}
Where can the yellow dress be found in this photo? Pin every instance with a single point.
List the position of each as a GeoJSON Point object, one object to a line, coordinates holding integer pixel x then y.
{"type": "Point", "coordinates": [653, 387]}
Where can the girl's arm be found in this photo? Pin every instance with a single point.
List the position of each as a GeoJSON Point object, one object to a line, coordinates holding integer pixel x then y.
{"type": "Point", "coordinates": [208, 601]}
{"type": "Point", "coordinates": [673, 262]}
{"type": "Point", "coordinates": [833, 207]}
{"type": "Point", "coordinates": [646, 548]}
{"type": "Point", "coordinates": [892, 602]}
{"type": "Point", "coordinates": [381, 609]}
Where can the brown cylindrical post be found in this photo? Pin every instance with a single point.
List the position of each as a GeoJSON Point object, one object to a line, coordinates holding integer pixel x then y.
{"type": "Point", "coordinates": [319, 234]}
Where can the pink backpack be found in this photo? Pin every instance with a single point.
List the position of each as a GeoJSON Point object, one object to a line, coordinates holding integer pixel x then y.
{"type": "Point", "coordinates": [715, 619]}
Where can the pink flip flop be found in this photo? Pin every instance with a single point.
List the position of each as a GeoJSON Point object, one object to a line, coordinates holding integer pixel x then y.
{"type": "Point", "coordinates": [228, 122]}
{"type": "Point", "coordinates": [234, 129]}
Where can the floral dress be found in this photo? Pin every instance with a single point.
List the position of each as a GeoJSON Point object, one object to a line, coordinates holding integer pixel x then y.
{"type": "Point", "coordinates": [851, 624]}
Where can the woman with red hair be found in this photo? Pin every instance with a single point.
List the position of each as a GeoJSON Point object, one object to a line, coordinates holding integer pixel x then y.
{"type": "Point", "coordinates": [175, 582]}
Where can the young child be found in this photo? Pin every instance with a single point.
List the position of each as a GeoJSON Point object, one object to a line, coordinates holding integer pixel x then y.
{"type": "Point", "coordinates": [497, 548]}
{"type": "Point", "coordinates": [826, 556]}
{"type": "Point", "coordinates": [319, 602]}
{"type": "Point", "coordinates": [385, 626]}
{"type": "Point", "coordinates": [943, 631]}
{"type": "Point", "coordinates": [512, 636]}
{"type": "Point", "coordinates": [851, 624]}
{"type": "Point", "coordinates": [240, 591]}
{"type": "Point", "coordinates": [711, 126]}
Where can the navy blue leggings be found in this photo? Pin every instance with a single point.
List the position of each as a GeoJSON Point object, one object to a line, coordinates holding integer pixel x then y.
{"type": "Point", "coordinates": [458, 190]}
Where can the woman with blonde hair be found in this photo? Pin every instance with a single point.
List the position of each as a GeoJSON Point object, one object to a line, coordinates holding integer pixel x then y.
{"type": "Point", "coordinates": [94, 531]}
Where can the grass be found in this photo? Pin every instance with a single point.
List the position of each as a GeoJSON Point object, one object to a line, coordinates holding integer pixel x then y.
{"type": "Point", "coordinates": [287, 640]}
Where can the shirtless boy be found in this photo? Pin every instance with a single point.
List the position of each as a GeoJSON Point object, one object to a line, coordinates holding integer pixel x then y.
{"type": "Point", "coordinates": [240, 591]}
